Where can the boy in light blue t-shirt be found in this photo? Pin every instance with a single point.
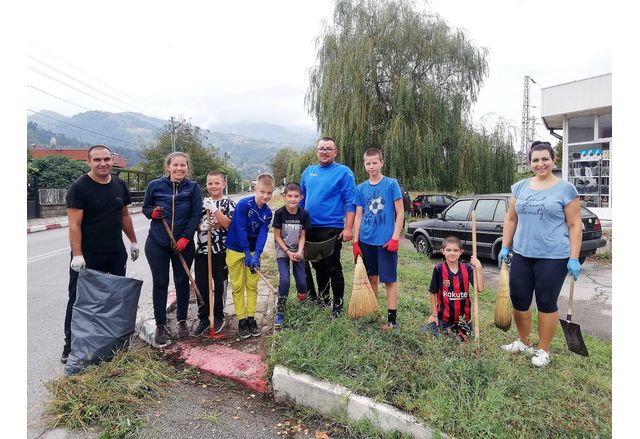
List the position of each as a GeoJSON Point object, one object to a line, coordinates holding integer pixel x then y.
{"type": "Point", "coordinates": [377, 228]}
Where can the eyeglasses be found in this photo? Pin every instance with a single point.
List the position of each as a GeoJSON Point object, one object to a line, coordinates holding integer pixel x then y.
{"type": "Point", "coordinates": [325, 149]}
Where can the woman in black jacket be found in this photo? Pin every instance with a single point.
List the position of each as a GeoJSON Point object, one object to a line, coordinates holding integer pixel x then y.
{"type": "Point", "coordinates": [178, 200]}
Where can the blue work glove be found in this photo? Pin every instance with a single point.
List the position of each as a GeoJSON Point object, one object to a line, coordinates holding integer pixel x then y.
{"type": "Point", "coordinates": [504, 255]}
{"type": "Point", "coordinates": [573, 266]}
{"type": "Point", "coordinates": [247, 259]}
{"type": "Point", "coordinates": [255, 262]}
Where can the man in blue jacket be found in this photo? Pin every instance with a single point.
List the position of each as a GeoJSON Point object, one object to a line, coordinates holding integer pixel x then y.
{"type": "Point", "coordinates": [328, 190]}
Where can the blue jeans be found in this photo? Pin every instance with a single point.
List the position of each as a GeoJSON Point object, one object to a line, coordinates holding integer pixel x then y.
{"type": "Point", "coordinates": [159, 257]}
{"type": "Point", "coordinates": [285, 277]}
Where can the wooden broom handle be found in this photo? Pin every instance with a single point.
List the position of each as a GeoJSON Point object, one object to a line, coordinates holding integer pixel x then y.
{"type": "Point", "coordinates": [474, 251]}
{"type": "Point", "coordinates": [210, 271]}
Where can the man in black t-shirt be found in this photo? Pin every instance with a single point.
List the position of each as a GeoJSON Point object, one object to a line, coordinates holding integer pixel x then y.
{"type": "Point", "coordinates": [98, 214]}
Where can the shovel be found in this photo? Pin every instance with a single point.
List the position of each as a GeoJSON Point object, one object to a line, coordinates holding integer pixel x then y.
{"type": "Point", "coordinates": [571, 330]}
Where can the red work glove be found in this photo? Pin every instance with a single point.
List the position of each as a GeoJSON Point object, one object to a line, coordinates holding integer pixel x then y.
{"type": "Point", "coordinates": [158, 213]}
{"type": "Point", "coordinates": [356, 251]}
{"type": "Point", "coordinates": [392, 245]}
{"type": "Point", "coordinates": [181, 245]}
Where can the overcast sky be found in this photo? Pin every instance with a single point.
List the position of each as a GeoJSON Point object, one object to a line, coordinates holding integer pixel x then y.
{"type": "Point", "coordinates": [248, 60]}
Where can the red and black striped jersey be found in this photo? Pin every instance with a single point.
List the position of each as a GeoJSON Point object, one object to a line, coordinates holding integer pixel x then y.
{"type": "Point", "coordinates": [453, 291]}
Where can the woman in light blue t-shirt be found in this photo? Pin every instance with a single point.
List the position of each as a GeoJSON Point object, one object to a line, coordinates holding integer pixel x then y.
{"type": "Point", "coordinates": [543, 231]}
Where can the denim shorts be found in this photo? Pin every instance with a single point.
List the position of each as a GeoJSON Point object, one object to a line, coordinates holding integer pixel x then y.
{"type": "Point", "coordinates": [380, 262]}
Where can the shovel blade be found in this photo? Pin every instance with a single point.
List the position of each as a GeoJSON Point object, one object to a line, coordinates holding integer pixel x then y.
{"type": "Point", "coordinates": [575, 342]}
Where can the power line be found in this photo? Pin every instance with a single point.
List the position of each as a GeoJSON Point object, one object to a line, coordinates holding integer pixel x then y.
{"type": "Point", "coordinates": [74, 88]}
{"type": "Point", "coordinates": [77, 89]}
{"type": "Point", "coordinates": [83, 129]}
{"type": "Point", "coordinates": [58, 97]}
{"type": "Point", "coordinates": [84, 83]}
{"type": "Point", "coordinates": [91, 76]}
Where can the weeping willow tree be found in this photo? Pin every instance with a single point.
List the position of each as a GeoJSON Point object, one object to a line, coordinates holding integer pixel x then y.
{"type": "Point", "coordinates": [392, 77]}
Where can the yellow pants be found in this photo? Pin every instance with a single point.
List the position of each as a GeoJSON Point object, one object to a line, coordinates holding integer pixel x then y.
{"type": "Point", "coordinates": [241, 278]}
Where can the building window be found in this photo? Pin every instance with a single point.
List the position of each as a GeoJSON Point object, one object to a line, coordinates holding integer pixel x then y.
{"type": "Point", "coordinates": [589, 171]}
{"type": "Point", "coordinates": [604, 126]}
{"type": "Point", "coordinates": [581, 129]}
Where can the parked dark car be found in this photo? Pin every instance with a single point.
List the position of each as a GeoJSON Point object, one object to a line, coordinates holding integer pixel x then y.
{"type": "Point", "coordinates": [406, 199]}
{"type": "Point", "coordinates": [416, 203]}
{"type": "Point", "coordinates": [427, 235]}
{"type": "Point", "coordinates": [431, 204]}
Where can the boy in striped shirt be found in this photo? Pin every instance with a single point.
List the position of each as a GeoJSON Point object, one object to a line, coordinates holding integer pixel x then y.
{"type": "Point", "coordinates": [450, 298]}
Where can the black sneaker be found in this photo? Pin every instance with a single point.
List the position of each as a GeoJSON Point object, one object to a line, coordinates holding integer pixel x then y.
{"type": "Point", "coordinates": [253, 327]}
{"type": "Point", "coordinates": [160, 337]}
{"type": "Point", "coordinates": [218, 325]}
{"type": "Point", "coordinates": [243, 329]}
{"type": "Point", "coordinates": [335, 312]}
{"type": "Point", "coordinates": [65, 352]}
{"type": "Point", "coordinates": [203, 325]}
{"type": "Point", "coordinates": [183, 329]}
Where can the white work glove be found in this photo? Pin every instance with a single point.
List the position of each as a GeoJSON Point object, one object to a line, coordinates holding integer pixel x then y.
{"type": "Point", "coordinates": [205, 226]}
{"type": "Point", "coordinates": [134, 250]}
{"type": "Point", "coordinates": [210, 205]}
{"type": "Point", "coordinates": [78, 264]}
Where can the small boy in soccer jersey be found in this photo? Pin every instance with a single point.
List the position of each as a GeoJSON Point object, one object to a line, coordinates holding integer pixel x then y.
{"type": "Point", "coordinates": [377, 228]}
{"type": "Point", "coordinates": [450, 299]}
{"type": "Point", "coordinates": [221, 211]}
{"type": "Point", "coordinates": [245, 243]}
{"type": "Point", "coordinates": [289, 225]}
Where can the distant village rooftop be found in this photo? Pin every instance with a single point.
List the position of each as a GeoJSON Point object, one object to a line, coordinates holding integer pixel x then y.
{"type": "Point", "coordinates": [73, 154]}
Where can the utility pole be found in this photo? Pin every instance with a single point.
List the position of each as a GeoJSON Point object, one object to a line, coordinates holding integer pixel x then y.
{"type": "Point", "coordinates": [173, 136]}
{"type": "Point", "coordinates": [524, 132]}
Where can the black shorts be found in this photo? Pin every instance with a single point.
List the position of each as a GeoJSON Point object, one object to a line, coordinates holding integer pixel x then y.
{"type": "Point", "coordinates": [545, 276]}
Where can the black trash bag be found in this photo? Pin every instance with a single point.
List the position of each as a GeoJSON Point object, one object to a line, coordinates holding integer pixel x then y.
{"type": "Point", "coordinates": [103, 319]}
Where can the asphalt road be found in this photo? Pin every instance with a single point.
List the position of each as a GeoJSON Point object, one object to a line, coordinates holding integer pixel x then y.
{"type": "Point", "coordinates": [47, 279]}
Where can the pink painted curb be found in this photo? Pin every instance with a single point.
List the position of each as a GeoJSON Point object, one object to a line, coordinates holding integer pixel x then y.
{"type": "Point", "coordinates": [242, 367]}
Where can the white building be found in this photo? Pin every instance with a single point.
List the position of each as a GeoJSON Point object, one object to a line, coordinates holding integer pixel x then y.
{"type": "Point", "coordinates": [582, 111]}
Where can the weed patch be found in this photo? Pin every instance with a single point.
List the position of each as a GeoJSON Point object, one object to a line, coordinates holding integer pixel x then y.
{"type": "Point", "coordinates": [110, 396]}
{"type": "Point", "coordinates": [438, 379]}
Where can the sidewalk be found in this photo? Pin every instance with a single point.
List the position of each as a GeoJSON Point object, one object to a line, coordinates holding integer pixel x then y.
{"type": "Point", "coordinates": [56, 222]}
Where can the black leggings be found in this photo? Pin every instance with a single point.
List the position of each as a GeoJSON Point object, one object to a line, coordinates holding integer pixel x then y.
{"type": "Point", "coordinates": [545, 276]}
{"type": "Point", "coordinates": [159, 257]}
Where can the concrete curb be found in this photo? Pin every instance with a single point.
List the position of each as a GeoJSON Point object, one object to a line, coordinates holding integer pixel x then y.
{"type": "Point", "coordinates": [334, 400]}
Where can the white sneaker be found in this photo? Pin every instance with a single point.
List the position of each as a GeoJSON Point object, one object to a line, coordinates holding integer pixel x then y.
{"type": "Point", "coordinates": [541, 358]}
{"type": "Point", "coordinates": [517, 346]}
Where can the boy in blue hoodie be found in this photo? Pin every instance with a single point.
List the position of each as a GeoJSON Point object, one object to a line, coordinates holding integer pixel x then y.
{"type": "Point", "coordinates": [245, 243]}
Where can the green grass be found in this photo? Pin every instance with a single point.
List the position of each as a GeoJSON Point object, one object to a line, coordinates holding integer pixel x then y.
{"type": "Point", "coordinates": [110, 396]}
{"type": "Point", "coordinates": [439, 380]}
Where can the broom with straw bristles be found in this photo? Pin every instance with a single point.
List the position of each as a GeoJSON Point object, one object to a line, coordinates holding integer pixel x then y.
{"type": "Point", "coordinates": [363, 300]}
{"type": "Point", "coordinates": [502, 316]}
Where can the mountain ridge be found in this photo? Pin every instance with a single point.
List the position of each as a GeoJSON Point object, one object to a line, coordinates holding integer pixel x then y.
{"type": "Point", "coordinates": [249, 147]}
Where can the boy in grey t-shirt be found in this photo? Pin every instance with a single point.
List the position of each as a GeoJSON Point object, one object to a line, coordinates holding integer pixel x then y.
{"type": "Point", "coordinates": [289, 225]}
